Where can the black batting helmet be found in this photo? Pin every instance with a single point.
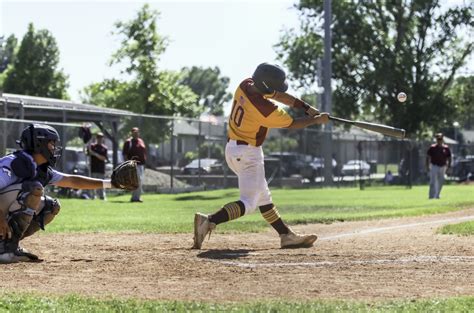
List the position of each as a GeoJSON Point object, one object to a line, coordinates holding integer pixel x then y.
{"type": "Point", "coordinates": [269, 77]}
{"type": "Point", "coordinates": [35, 139]}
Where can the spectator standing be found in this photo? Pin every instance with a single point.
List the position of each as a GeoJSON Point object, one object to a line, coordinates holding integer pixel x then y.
{"type": "Point", "coordinates": [438, 161]}
{"type": "Point", "coordinates": [98, 157]}
{"type": "Point", "coordinates": [134, 149]}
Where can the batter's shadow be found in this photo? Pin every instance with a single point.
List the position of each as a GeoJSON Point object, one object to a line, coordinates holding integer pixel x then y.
{"type": "Point", "coordinates": [224, 254]}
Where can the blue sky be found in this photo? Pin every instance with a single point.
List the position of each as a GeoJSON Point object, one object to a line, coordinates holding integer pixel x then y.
{"type": "Point", "coordinates": [234, 35]}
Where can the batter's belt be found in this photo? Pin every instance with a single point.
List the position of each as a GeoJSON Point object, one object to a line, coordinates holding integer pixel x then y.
{"type": "Point", "coordinates": [239, 142]}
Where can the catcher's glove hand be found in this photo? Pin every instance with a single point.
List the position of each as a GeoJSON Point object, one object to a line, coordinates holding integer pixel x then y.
{"type": "Point", "coordinates": [125, 176]}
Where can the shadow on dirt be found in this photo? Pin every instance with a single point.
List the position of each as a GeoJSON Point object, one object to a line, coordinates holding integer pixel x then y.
{"type": "Point", "coordinates": [225, 254]}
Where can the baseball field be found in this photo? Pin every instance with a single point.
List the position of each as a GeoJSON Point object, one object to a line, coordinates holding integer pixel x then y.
{"type": "Point", "coordinates": [381, 249]}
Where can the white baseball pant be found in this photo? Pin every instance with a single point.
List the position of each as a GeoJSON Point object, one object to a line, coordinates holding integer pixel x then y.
{"type": "Point", "coordinates": [246, 162]}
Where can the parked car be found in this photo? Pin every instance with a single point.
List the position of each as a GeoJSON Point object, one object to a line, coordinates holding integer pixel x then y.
{"type": "Point", "coordinates": [272, 167]}
{"type": "Point", "coordinates": [203, 167]}
{"type": "Point", "coordinates": [355, 167]}
{"type": "Point", "coordinates": [294, 163]}
{"type": "Point", "coordinates": [462, 168]}
{"type": "Point", "coordinates": [318, 165]}
{"type": "Point", "coordinates": [76, 161]}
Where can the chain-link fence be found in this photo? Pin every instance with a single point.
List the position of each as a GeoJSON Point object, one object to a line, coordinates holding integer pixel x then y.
{"type": "Point", "coordinates": [188, 154]}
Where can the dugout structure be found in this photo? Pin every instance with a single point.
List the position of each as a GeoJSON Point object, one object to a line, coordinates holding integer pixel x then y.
{"type": "Point", "coordinates": [61, 114]}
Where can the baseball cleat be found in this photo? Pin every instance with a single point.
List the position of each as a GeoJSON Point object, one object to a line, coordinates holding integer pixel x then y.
{"type": "Point", "coordinates": [202, 226]}
{"type": "Point", "coordinates": [20, 255]}
{"type": "Point", "coordinates": [293, 240]}
{"type": "Point", "coordinates": [8, 257]}
{"type": "Point", "coordinates": [26, 256]}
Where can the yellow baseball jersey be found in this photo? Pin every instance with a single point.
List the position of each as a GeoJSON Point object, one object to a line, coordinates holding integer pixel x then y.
{"type": "Point", "coordinates": [253, 114]}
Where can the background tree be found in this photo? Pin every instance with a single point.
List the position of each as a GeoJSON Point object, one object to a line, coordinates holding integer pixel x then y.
{"type": "Point", "coordinates": [35, 70]}
{"type": "Point", "coordinates": [209, 86]}
{"type": "Point", "coordinates": [379, 49]}
{"type": "Point", "coordinates": [141, 49]}
{"type": "Point", "coordinates": [461, 95]}
{"type": "Point", "coordinates": [280, 143]}
{"type": "Point", "coordinates": [147, 90]}
{"type": "Point", "coordinates": [7, 51]}
{"type": "Point", "coordinates": [209, 150]}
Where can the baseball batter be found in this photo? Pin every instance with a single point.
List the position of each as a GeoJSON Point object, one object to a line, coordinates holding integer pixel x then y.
{"type": "Point", "coordinates": [24, 208]}
{"type": "Point", "coordinates": [251, 117]}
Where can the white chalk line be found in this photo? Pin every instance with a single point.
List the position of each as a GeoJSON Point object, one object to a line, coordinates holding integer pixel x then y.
{"type": "Point", "coordinates": [389, 228]}
{"type": "Point", "coordinates": [420, 259]}
{"type": "Point", "coordinates": [399, 261]}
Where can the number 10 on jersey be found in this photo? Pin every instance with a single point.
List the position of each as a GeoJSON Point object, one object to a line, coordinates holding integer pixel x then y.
{"type": "Point", "coordinates": [237, 114]}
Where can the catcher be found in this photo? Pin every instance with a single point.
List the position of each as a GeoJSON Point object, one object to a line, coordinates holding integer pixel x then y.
{"type": "Point", "coordinates": [24, 208]}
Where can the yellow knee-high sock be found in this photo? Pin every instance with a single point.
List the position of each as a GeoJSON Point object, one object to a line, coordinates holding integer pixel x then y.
{"type": "Point", "coordinates": [271, 215]}
{"type": "Point", "coordinates": [230, 211]}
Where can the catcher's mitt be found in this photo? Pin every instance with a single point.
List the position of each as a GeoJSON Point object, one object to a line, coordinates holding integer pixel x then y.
{"type": "Point", "coordinates": [125, 176]}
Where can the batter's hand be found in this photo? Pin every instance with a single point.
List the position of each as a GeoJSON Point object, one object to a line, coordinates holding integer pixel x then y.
{"type": "Point", "coordinates": [311, 111]}
{"type": "Point", "coordinates": [5, 231]}
{"type": "Point", "coordinates": [322, 118]}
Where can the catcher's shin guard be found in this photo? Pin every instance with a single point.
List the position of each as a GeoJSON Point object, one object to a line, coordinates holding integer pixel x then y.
{"type": "Point", "coordinates": [19, 221]}
{"type": "Point", "coordinates": [30, 195]}
{"type": "Point", "coordinates": [44, 217]}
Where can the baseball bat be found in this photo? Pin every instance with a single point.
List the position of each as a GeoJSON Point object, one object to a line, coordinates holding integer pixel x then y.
{"type": "Point", "coordinates": [378, 128]}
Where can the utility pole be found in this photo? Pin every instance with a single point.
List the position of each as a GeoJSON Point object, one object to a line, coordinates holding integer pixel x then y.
{"type": "Point", "coordinates": [327, 97]}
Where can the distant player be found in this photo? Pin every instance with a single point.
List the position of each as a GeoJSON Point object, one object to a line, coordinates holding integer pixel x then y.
{"type": "Point", "coordinates": [251, 117]}
{"type": "Point", "coordinates": [438, 161]}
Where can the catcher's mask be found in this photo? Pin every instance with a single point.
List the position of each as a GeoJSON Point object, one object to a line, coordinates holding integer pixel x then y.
{"type": "Point", "coordinates": [269, 77]}
{"type": "Point", "coordinates": [35, 138]}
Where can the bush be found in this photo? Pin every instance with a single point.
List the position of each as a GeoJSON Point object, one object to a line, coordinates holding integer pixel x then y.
{"type": "Point", "coordinates": [211, 150]}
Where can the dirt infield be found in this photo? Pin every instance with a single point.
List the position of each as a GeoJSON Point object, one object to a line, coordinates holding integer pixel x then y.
{"type": "Point", "coordinates": [385, 259]}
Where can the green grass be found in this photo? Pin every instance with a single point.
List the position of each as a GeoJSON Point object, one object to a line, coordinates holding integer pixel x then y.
{"type": "Point", "coordinates": [174, 213]}
{"type": "Point", "coordinates": [464, 229]}
{"type": "Point", "coordinates": [32, 303]}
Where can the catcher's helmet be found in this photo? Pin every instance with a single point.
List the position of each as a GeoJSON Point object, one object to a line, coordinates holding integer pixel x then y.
{"type": "Point", "coordinates": [270, 77]}
{"type": "Point", "coordinates": [35, 139]}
